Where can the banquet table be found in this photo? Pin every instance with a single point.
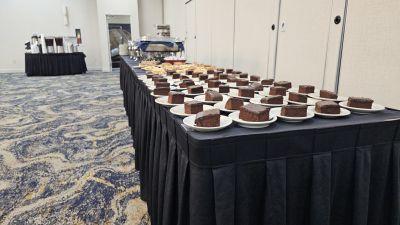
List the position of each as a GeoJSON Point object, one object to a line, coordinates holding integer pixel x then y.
{"type": "Point", "coordinates": [52, 64]}
{"type": "Point", "coordinates": [321, 171]}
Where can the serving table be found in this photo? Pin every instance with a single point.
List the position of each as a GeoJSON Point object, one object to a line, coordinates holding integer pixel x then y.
{"type": "Point", "coordinates": [321, 171]}
{"type": "Point", "coordinates": [52, 64]}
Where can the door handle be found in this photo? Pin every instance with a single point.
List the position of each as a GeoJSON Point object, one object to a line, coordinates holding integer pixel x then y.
{"type": "Point", "coordinates": [337, 19]}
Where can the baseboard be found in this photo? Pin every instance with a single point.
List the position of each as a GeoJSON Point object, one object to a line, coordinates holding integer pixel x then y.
{"type": "Point", "coordinates": [12, 71]}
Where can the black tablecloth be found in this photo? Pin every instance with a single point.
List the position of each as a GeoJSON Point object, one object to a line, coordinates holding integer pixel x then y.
{"type": "Point", "coordinates": [55, 64]}
{"type": "Point", "coordinates": [342, 171]}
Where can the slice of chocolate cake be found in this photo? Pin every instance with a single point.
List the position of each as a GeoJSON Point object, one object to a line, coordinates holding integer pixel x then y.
{"type": "Point", "coordinates": [327, 94]}
{"type": "Point", "coordinates": [183, 77]}
{"type": "Point", "coordinates": [208, 118]}
{"type": "Point", "coordinates": [236, 72]}
{"type": "Point", "coordinates": [170, 72]}
{"type": "Point", "coordinates": [213, 83]}
{"type": "Point", "coordinates": [294, 110]}
{"type": "Point", "coordinates": [223, 76]}
{"type": "Point", "coordinates": [277, 91]}
{"type": "Point", "coordinates": [306, 89]}
{"type": "Point", "coordinates": [254, 113]}
{"type": "Point", "coordinates": [224, 88]}
{"type": "Point", "coordinates": [360, 102]}
{"type": "Point", "coordinates": [161, 91]}
{"type": "Point", "coordinates": [267, 82]}
{"type": "Point", "coordinates": [285, 84]}
{"type": "Point", "coordinates": [327, 107]}
{"type": "Point", "coordinates": [189, 72]}
{"type": "Point", "coordinates": [162, 84]}
{"type": "Point", "coordinates": [160, 80]}
{"type": "Point", "coordinates": [254, 78]}
{"type": "Point", "coordinates": [273, 100]}
{"type": "Point", "coordinates": [155, 77]}
{"type": "Point", "coordinates": [242, 82]}
{"type": "Point", "coordinates": [228, 71]}
{"type": "Point", "coordinates": [296, 97]}
{"type": "Point", "coordinates": [196, 74]}
{"type": "Point", "coordinates": [210, 71]}
{"type": "Point", "coordinates": [234, 103]}
{"type": "Point", "coordinates": [247, 92]}
{"type": "Point", "coordinates": [176, 97]}
{"type": "Point", "coordinates": [195, 89]}
{"type": "Point", "coordinates": [244, 75]}
{"type": "Point", "coordinates": [231, 78]}
{"type": "Point", "coordinates": [257, 86]}
{"type": "Point", "coordinates": [149, 76]}
{"type": "Point", "coordinates": [213, 96]}
{"type": "Point", "coordinates": [193, 107]}
{"type": "Point", "coordinates": [203, 77]}
{"type": "Point", "coordinates": [176, 76]}
{"type": "Point", "coordinates": [185, 83]}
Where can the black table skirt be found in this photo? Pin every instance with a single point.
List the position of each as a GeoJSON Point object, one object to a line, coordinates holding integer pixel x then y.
{"type": "Point", "coordinates": [55, 64]}
{"type": "Point", "coordinates": [340, 172]}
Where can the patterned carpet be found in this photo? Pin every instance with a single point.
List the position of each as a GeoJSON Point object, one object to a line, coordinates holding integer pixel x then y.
{"type": "Point", "coordinates": [66, 153]}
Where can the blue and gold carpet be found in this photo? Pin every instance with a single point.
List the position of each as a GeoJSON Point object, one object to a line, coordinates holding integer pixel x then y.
{"type": "Point", "coordinates": [66, 153]}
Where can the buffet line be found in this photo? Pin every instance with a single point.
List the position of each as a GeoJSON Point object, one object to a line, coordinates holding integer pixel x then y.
{"type": "Point", "coordinates": [199, 93]}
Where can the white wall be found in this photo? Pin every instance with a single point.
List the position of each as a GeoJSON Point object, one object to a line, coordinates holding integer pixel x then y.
{"type": "Point", "coordinates": [371, 54]}
{"type": "Point", "coordinates": [174, 15]}
{"type": "Point", "coordinates": [19, 19]}
{"type": "Point", "coordinates": [150, 13]}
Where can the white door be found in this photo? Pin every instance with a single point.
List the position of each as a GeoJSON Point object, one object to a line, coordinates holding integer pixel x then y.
{"type": "Point", "coordinates": [190, 39]}
{"type": "Point", "coordinates": [254, 39]}
{"type": "Point", "coordinates": [303, 40]}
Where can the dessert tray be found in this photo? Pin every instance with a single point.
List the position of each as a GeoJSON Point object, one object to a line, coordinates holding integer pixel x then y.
{"type": "Point", "coordinates": [247, 124]}
{"type": "Point", "coordinates": [164, 101]}
{"type": "Point", "coordinates": [179, 110]}
{"type": "Point", "coordinates": [310, 102]}
{"type": "Point", "coordinates": [224, 122]}
{"type": "Point", "coordinates": [375, 108]}
{"type": "Point", "coordinates": [221, 106]}
{"type": "Point", "coordinates": [258, 102]}
{"type": "Point", "coordinates": [201, 98]}
{"type": "Point", "coordinates": [339, 98]}
{"type": "Point", "coordinates": [235, 93]}
{"type": "Point", "coordinates": [343, 113]}
{"type": "Point", "coordinates": [277, 112]}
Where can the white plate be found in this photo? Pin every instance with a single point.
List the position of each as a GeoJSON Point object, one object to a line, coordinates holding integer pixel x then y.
{"type": "Point", "coordinates": [375, 108]}
{"type": "Point", "coordinates": [296, 89]}
{"type": "Point", "coordinates": [186, 93]}
{"type": "Point", "coordinates": [316, 96]}
{"type": "Point", "coordinates": [247, 124]}
{"type": "Point", "coordinates": [224, 122]}
{"type": "Point", "coordinates": [258, 102]}
{"type": "Point", "coordinates": [310, 102]}
{"type": "Point", "coordinates": [235, 93]}
{"type": "Point", "coordinates": [157, 96]}
{"type": "Point", "coordinates": [221, 106]}
{"type": "Point", "coordinates": [343, 113]}
{"type": "Point", "coordinates": [277, 112]}
{"type": "Point", "coordinates": [179, 110]}
{"type": "Point", "coordinates": [201, 98]}
{"type": "Point", "coordinates": [164, 101]}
